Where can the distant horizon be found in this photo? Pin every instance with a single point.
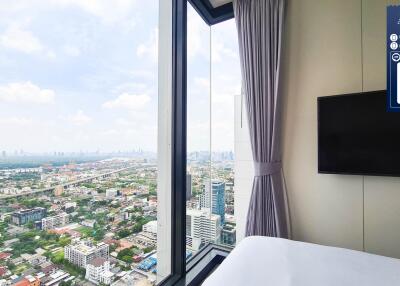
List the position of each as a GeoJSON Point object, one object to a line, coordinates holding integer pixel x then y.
{"type": "Point", "coordinates": [22, 161]}
{"type": "Point", "coordinates": [16, 153]}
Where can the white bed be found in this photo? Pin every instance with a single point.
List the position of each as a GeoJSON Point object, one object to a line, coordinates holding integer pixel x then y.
{"type": "Point", "coordinates": [280, 262]}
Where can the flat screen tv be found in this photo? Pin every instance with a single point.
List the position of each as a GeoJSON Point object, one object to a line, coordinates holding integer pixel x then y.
{"type": "Point", "coordinates": [356, 135]}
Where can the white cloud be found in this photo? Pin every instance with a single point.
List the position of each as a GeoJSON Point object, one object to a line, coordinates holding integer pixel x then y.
{"type": "Point", "coordinates": [21, 40]}
{"type": "Point", "coordinates": [15, 121]}
{"type": "Point", "coordinates": [124, 122]}
{"type": "Point", "coordinates": [128, 101]}
{"type": "Point", "coordinates": [131, 87]}
{"type": "Point", "coordinates": [79, 118]}
{"type": "Point", "coordinates": [25, 92]}
{"type": "Point", "coordinates": [72, 51]}
{"type": "Point", "coordinates": [222, 53]}
{"type": "Point", "coordinates": [18, 37]}
{"type": "Point", "coordinates": [197, 36]}
{"type": "Point", "coordinates": [202, 82]}
{"type": "Point", "coordinates": [150, 48]}
{"type": "Point", "coordinates": [109, 12]}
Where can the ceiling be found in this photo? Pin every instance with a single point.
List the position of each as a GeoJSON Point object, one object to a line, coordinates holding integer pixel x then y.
{"type": "Point", "coordinates": [213, 11]}
{"type": "Point", "coordinates": [217, 3]}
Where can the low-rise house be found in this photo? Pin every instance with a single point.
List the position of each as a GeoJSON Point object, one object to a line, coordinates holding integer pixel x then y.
{"type": "Point", "coordinates": [10, 242]}
{"type": "Point", "coordinates": [5, 256]}
{"type": "Point", "coordinates": [4, 271]}
{"type": "Point", "coordinates": [33, 281]}
{"type": "Point", "coordinates": [48, 268]}
{"type": "Point", "coordinates": [34, 259]}
{"type": "Point", "coordinates": [26, 281]}
{"type": "Point", "coordinates": [17, 261]}
{"type": "Point", "coordinates": [88, 223]}
{"type": "Point", "coordinates": [55, 278]}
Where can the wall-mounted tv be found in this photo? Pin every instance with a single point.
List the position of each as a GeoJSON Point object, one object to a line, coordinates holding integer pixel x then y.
{"type": "Point", "coordinates": [356, 135]}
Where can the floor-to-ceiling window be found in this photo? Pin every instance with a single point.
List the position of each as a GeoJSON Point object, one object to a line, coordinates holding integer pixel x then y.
{"type": "Point", "coordinates": [78, 127]}
{"type": "Point", "coordinates": [87, 164]}
{"type": "Point", "coordinates": [225, 85]}
{"type": "Point", "coordinates": [213, 81]}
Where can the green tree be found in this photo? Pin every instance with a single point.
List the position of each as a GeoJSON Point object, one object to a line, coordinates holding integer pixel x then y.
{"type": "Point", "coordinates": [148, 249]}
{"type": "Point", "coordinates": [123, 233]}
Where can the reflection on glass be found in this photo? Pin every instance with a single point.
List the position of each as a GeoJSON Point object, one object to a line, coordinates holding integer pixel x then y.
{"type": "Point", "coordinates": [201, 226]}
{"type": "Point", "coordinates": [226, 83]}
{"type": "Point", "coordinates": [213, 81]}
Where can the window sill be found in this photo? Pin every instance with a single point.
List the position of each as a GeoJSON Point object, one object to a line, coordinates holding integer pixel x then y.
{"type": "Point", "coordinates": [200, 266]}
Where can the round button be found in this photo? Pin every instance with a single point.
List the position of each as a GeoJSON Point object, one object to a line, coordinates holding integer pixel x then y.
{"type": "Point", "coordinates": [394, 45]}
{"type": "Point", "coordinates": [396, 57]}
{"type": "Point", "coordinates": [393, 37]}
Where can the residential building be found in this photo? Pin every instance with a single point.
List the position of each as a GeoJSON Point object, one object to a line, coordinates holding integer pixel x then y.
{"type": "Point", "coordinates": [33, 281]}
{"type": "Point", "coordinates": [56, 277]}
{"type": "Point", "coordinates": [89, 223]}
{"type": "Point", "coordinates": [26, 281]}
{"type": "Point", "coordinates": [146, 239]}
{"type": "Point", "coordinates": [4, 256]}
{"type": "Point", "coordinates": [134, 278]}
{"type": "Point", "coordinates": [150, 227]}
{"type": "Point", "coordinates": [34, 259]}
{"type": "Point", "coordinates": [55, 221]}
{"type": "Point", "coordinates": [9, 242]}
{"type": "Point", "coordinates": [58, 191]}
{"type": "Point", "coordinates": [83, 251]}
{"type": "Point", "coordinates": [21, 282]}
{"type": "Point", "coordinates": [70, 207]}
{"type": "Point", "coordinates": [98, 271]}
{"type": "Point", "coordinates": [28, 215]}
{"type": "Point", "coordinates": [111, 193]}
{"type": "Point", "coordinates": [201, 227]}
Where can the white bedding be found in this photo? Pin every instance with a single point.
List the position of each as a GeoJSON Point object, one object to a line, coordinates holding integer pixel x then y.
{"type": "Point", "coordinates": [280, 262]}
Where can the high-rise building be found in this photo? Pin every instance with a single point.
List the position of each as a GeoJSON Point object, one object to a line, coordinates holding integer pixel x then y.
{"type": "Point", "coordinates": [54, 221]}
{"type": "Point", "coordinates": [188, 186]}
{"type": "Point", "coordinates": [83, 251]}
{"type": "Point", "coordinates": [29, 215]}
{"type": "Point", "coordinates": [215, 199]}
{"type": "Point", "coordinates": [228, 234]}
{"type": "Point", "coordinates": [201, 227]}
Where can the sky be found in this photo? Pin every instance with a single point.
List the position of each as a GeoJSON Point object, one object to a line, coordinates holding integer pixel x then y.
{"type": "Point", "coordinates": [81, 75]}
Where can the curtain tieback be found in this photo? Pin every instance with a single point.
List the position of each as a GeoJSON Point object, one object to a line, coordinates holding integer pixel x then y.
{"type": "Point", "coordinates": [266, 168]}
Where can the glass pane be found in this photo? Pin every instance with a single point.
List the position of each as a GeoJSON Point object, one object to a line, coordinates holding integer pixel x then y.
{"type": "Point", "coordinates": [226, 84]}
{"type": "Point", "coordinates": [78, 128]}
{"type": "Point", "coordinates": [201, 226]}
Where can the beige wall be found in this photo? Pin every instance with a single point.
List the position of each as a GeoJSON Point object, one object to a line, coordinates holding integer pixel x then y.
{"type": "Point", "coordinates": [323, 56]}
{"type": "Point", "coordinates": [382, 195]}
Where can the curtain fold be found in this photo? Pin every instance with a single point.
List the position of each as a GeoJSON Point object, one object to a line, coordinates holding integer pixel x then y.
{"type": "Point", "coordinates": [260, 30]}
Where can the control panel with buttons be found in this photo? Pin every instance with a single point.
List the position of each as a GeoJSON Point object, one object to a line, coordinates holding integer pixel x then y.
{"type": "Point", "coordinates": [393, 58]}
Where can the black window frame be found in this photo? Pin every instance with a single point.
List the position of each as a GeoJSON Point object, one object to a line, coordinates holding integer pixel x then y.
{"type": "Point", "coordinates": [208, 258]}
{"type": "Point", "coordinates": [210, 14]}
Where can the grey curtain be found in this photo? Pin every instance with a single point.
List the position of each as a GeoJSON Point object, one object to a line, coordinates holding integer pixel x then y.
{"type": "Point", "coordinates": [260, 28]}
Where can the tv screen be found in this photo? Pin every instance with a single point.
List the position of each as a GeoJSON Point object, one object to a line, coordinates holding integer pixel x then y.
{"type": "Point", "coordinates": [356, 135]}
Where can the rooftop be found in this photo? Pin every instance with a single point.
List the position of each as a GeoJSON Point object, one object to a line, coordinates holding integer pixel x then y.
{"type": "Point", "coordinates": [97, 262]}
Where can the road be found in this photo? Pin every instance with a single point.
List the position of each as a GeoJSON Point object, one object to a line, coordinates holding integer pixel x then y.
{"type": "Point", "coordinates": [73, 183]}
